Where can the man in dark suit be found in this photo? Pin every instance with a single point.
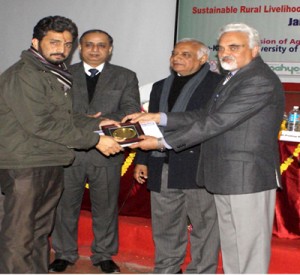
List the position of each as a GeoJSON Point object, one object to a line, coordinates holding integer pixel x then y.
{"type": "Point", "coordinates": [112, 90]}
{"type": "Point", "coordinates": [239, 154]}
{"type": "Point", "coordinates": [171, 178]}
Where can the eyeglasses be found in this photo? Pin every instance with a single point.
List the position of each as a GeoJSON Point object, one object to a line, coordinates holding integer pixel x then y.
{"type": "Point", "coordinates": [232, 48]}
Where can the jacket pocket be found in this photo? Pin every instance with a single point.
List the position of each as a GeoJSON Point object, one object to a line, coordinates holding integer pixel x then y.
{"type": "Point", "coordinates": [239, 156]}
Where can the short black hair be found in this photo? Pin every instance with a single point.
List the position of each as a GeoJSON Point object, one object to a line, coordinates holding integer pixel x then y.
{"type": "Point", "coordinates": [110, 39]}
{"type": "Point", "coordinates": [54, 23]}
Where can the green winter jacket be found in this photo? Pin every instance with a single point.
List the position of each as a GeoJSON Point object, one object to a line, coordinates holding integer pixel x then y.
{"type": "Point", "coordinates": [37, 124]}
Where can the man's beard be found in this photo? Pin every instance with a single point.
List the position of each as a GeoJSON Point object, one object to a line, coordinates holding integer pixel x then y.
{"type": "Point", "coordinates": [228, 66]}
{"type": "Point", "coordinates": [54, 62]}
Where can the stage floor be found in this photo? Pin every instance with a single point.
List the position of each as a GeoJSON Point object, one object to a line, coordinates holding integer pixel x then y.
{"type": "Point", "coordinates": [136, 253]}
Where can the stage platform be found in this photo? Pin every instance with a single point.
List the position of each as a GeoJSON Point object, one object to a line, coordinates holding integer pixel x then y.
{"type": "Point", "coordinates": [137, 248]}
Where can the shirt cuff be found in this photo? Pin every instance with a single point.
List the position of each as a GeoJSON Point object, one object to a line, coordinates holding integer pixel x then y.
{"type": "Point", "coordinates": [167, 146]}
{"type": "Point", "coordinates": [163, 119]}
{"type": "Point", "coordinates": [163, 122]}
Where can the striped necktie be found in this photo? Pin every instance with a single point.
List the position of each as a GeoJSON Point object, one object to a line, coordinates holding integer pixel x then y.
{"type": "Point", "coordinates": [228, 76]}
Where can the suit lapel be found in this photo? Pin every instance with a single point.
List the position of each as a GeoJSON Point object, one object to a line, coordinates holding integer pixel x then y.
{"type": "Point", "coordinates": [216, 96]}
{"type": "Point", "coordinates": [79, 75]}
{"type": "Point", "coordinates": [105, 79]}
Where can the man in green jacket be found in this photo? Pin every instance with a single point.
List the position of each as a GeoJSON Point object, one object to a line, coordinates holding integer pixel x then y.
{"type": "Point", "coordinates": [38, 132]}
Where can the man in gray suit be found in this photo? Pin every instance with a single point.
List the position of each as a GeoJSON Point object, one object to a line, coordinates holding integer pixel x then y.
{"type": "Point", "coordinates": [112, 90]}
{"type": "Point", "coordinates": [239, 154]}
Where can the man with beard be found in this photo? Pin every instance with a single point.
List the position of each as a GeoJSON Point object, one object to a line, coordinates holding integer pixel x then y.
{"type": "Point", "coordinates": [38, 132]}
{"type": "Point", "coordinates": [239, 153]}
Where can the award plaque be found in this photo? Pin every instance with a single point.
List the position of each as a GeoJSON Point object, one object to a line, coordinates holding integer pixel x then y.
{"type": "Point", "coordinates": [126, 134]}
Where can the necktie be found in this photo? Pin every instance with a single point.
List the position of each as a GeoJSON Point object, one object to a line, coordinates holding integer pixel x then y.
{"type": "Point", "coordinates": [93, 72]}
{"type": "Point", "coordinates": [228, 76]}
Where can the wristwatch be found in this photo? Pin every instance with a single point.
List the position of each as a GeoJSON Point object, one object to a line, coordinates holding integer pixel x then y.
{"type": "Point", "coordinates": [160, 145]}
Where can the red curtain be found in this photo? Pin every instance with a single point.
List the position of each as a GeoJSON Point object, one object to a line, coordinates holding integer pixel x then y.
{"type": "Point", "coordinates": [287, 211]}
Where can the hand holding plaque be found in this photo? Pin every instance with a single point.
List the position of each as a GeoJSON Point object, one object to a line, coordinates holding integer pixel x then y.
{"type": "Point", "coordinates": [126, 134]}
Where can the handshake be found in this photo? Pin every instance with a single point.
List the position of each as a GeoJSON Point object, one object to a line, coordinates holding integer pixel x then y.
{"type": "Point", "coordinates": [109, 146]}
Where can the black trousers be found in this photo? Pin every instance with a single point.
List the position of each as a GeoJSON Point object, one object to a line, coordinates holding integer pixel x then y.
{"type": "Point", "coordinates": [30, 199]}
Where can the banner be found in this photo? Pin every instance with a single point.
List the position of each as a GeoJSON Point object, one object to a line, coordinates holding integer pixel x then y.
{"type": "Point", "coordinates": [277, 21]}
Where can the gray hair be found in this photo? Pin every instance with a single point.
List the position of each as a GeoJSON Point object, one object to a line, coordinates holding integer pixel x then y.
{"type": "Point", "coordinates": [253, 35]}
{"type": "Point", "coordinates": [203, 49]}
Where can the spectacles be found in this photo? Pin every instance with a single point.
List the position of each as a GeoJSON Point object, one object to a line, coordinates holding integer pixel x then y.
{"type": "Point", "coordinates": [232, 48]}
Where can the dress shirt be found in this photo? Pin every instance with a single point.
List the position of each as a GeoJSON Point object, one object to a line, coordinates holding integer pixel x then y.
{"type": "Point", "coordinates": [87, 67]}
{"type": "Point", "coordinates": [163, 122]}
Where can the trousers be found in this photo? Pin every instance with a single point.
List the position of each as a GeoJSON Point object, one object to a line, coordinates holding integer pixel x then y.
{"type": "Point", "coordinates": [104, 183]}
{"type": "Point", "coordinates": [170, 210]}
{"type": "Point", "coordinates": [246, 223]}
{"type": "Point", "coordinates": [30, 198]}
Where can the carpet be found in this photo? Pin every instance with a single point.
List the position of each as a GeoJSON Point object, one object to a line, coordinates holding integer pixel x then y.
{"type": "Point", "coordinates": [136, 245]}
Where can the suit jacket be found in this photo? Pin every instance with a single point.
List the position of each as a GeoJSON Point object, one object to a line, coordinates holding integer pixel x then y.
{"type": "Point", "coordinates": [116, 95]}
{"type": "Point", "coordinates": [182, 165]}
{"type": "Point", "coordinates": [239, 132]}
